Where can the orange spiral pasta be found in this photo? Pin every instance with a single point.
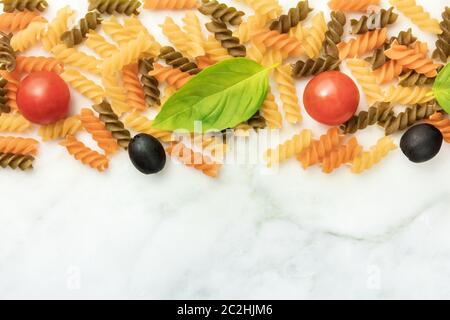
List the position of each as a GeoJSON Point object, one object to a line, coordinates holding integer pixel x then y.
{"type": "Point", "coordinates": [33, 64]}
{"type": "Point", "coordinates": [98, 130]}
{"type": "Point", "coordinates": [352, 5]}
{"type": "Point", "coordinates": [22, 146]}
{"type": "Point", "coordinates": [194, 159]}
{"type": "Point", "coordinates": [289, 46]}
{"type": "Point", "coordinates": [319, 149]}
{"type": "Point", "coordinates": [15, 21]}
{"type": "Point", "coordinates": [342, 155]}
{"type": "Point", "coordinates": [132, 84]}
{"type": "Point", "coordinates": [442, 123]}
{"type": "Point", "coordinates": [412, 58]}
{"type": "Point", "coordinates": [388, 72]}
{"type": "Point", "coordinates": [173, 77]}
{"type": "Point", "coordinates": [362, 44]}
{"type": "Point", "coordinates": [87, 156]}
{"type": "Point", "coordinates": [170, 4]}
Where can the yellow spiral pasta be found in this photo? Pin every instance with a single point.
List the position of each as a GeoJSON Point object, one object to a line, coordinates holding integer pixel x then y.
{"type": "Point", "coordinates": [245, 29]}
{"type": "Point", "coordinates": [362, 44]}
{"type": "Point", "coordinates": [173, 77]}
{"type": "Point", "coordinates": [272, 57]}
{"type": "Point", "coordinates": [194, 31]}
{"type": "Point", "coordinates": [75, 58]}
{"type": "Point", "coordinates": [269, 111]}
{"type": "Point", "coordinates": [370, 158]}
{"type": "Point", "coordinates": [290, 148]}
{"type": "Point", "coordinates": [256, 51]}
{"type": "Point", "coordinates": [87, 156]}
{"type": "Point", "coordinates": [388, 72]}
{"type": "Point", "coordinates": [409, 95]}
{"type": "Point", "coordinates": [29, 36]}
{"type": "Point", "coordinates": [22, 146]}
{"type": "Point", "coordinates": [269, 8]}
{"type": "Point", "coordinates": [352, 5]}
{"type": "Point", "coordinates": [83, 85]}
{"type": "Point", "coordinates": [170, 4]}
{"type": "Point", "coordinates": [32, 64]}
{"type": "Point", "coordinates": [142, 124]}
{"type": "Point", "coordinates": [56, 28]}
{"type": "Point", "coordinates": [117, 94]}
{"type": "Point", "coordinates": [214, 50]}
{"type": "Point", "coordinates": [366, 79]}
{"type": "Point", "coordinates": [128, 54]}
{"type": "Point", "coordinates": [15, 21]}
{"type": "Point", "coordinates": [133, 26]}
{"type": "Point", "coordinates": [13, 122]}
{"type": "Point", "coordinates": [288, 93]}
{"type": "Point", "coordinates": [289, 46]}
{"type": "Point", "coordinates": [132, 84]}
{"type": "Point", "coordinates": [99, 45]}
{"type": "Point", "coordinates": [60, 129]}
{"type": "Point", "coordinates": [417, 15]}
{"type": "Point", "coordinates": [181, 40]}
{"type": "Point", "coordinates": [316, 35]}
{"type": "Point", "coordinates": [116, 31]}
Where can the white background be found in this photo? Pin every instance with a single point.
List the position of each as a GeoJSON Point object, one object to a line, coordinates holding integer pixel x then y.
{"type": "Point", "coordinates": [69, 232]}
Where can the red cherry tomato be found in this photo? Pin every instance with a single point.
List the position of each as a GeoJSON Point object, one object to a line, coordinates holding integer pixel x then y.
{"type": "Point", "coordinates": [43, 97]}
{"type": "Point", "coordinates": [331, 98]}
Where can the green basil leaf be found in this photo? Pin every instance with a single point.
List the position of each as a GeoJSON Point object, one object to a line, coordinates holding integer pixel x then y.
{"type": "Point", "coordinates": [441, 88]}
{"type": "Point", "coordinates": [221, 96]}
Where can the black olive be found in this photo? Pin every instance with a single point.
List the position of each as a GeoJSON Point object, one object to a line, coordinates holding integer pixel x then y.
{"type": "Point", "coordinates": [147, 154]}
{"type": "Point", "coordinates": [421, 143]}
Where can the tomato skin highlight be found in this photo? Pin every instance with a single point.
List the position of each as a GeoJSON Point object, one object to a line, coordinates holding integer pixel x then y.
{"type": "Point", "coordinates": [331, 98]}
{"type": "Point", "coordinates": [43, 97]}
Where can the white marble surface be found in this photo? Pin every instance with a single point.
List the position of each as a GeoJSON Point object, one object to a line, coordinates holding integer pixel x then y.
{"type": "Point", "coordinates": [69, 232]}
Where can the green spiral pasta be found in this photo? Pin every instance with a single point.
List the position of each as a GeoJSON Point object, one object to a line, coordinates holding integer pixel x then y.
{"type": "Point", "coordinates": [149, 83]}
{"type": "Point", "coordinates": [22, 5]}
{"type": "Point", "coordinates": [295, 15]}
{"type": "Point", "coordinates": [226, 38]}
{"type": "Point", "coordinates": [412, 78]}
{"type": "Point", "coordinates": [376, 21]}
{"type": "Point", "coordinates": [409, 117]}
{"type": "Point", "coordinates": [177, 60]}
{"type": "Point", "coordinates": [312, 67]}
{"type": "Point", "coordinates": [404, 38]}
{"type": "Point", "coordinates": [222, 12]}
{"type": "Point", "coordinates": [16, 161]}
{"type": "Point", "coordinates": [442, 51]}
{"type": "Point", "coordinates": [7, 54]}
{"type": "Point", "coordinates": [379, 112]}
{"type": "Point", "coordinates": [378, 59]}
{"type": "Point", "coordinates": [76, 36]}
{"type": "Point", "coordinates": [127, 7]}
{"type": "Point", "coordinates": [4, 108]}
{"type": "Point", "coordinates": [334, 33]}
{"type": "Point", "coordinates": [113, 124]}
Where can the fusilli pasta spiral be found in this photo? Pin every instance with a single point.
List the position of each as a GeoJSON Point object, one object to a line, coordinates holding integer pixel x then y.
{"type": "Point", "coordinates": [83, 85]}
{"type": "Point", "coordinates": [76, 35]}
{"type": "Point", "coordinates": [56, 28]}
{"type": "Point", "coordinates": [29, 36]}
{"type": "Point", "coordinates": [117, 94]}
{"type": "Point", "coordinates": [15, 21]}
{"type": "Point", "coordinates": [60, 129]}
{"type": "Point", "coordinates": [388, 72]}
{"type": "Point", "coordinates": [170, 4]}
{"type": "Point", "coordinates": [295, 15]}
{"type": "Point", "coordinates": [214, 50]}
{"type": "Point", "coordinates": [442, 51]}
{"type": "Point", "coordinates": [149, 83]}
{"type": "Point", "coordinates": [377, 113]}
{"type": "Point", "coordinates": [177, 60]}
{"type": "Point", "coordinates": [289, 148]}
{"type": "Point", "coordinates": [127, 7]}
{"type": "Point", "coordinates": [316, 36]}
{"type": "Point", "coordinates": [76, 58]}
{"type": "Point", "coordinates": [341, 155]}
{"type": "Point", "coordinates": [87, 156]}
{"type": "Point", "coordinates": [16, 161]}
{"type": "Point", "coordinates": [99, 133]}
{"type": "Point", "coordinates": [113, 124]}
{"type": "Point", "coordinates": [181, 40]}
{"type": "Point", "coordinates": [22, 5]}
{"type": "Point", "coordinates": [221, 11]}
{"type": "Point", "coordinates": [226, 38]}
{"type": "Point", "coordinates": [269, 8]}
{"type": "Point", "coordinates": [288, 93]}
{"type": "Point", "coordinates": [370, 158]}
{"type": "Point", "coordinates": [409, 95]}
{"type": "Point", "coordinates": [132, 84]}
{"type": "Point", "coordinates": [269, 111]}
{"type": "Point", "coordinates": [369, 23]}
{"type": "Point", "coordinates": [334, 33]}
{"type": "Point", "coordinates": [362, 44]}
{"type": "Point", "coordinates": [11, 122]}
{"type": "Point", "coordinates": [194, 33]}
{"type": "Point", "coordinates": [99, 45]}
{"type": "Point", "coordinates": [312, 67]}
{"type": "Point", "coordinates": [194, 159]}
{"type": "Point", "coordinates": [368, 82]}
{"type": "Point", "coordinates": [22, 146]}
{"type": "Point", "coordinates": [442, 123]}
{"type": "Point", "coordinates": [172, 77]}
{"type": "Point", "coordinates": [33, 64]}
{"type": "Point", "coordinates": [418, 15]}
{"type": "Point", "coordinates": [289, 46]}
{"type": "Point", "coordinates": [352, 5]}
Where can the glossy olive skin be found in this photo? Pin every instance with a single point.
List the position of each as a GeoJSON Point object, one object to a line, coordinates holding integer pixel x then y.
{"type": "Point", "coordinates": [421, 143]}
{"type": "Point", "coordinates": [147, 154]}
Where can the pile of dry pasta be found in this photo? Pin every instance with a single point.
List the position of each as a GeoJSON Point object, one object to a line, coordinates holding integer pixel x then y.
{"type": "Point", "coordinates": [138, 73]}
